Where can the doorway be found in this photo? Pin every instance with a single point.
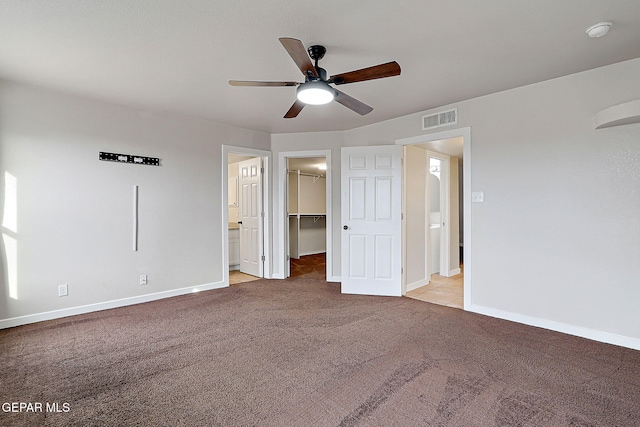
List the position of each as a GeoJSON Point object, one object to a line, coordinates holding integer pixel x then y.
{"type": "Point", "coordinates": [306, 213]}
{"type": "Point", "coordinates": [432, 234]}
{"type": "Point", "coordinates": [307, 206]}
{"type": "Point", "coordinates": [245, 214]}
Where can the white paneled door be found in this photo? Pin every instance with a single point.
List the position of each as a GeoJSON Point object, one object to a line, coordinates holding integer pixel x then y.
{"type": "Point", "coordinates": [371, 220]}
{"type": "Point", "coordinates": [250, 181]}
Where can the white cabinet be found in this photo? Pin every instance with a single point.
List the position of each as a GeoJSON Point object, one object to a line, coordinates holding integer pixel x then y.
{"type": "Point", "coordinates": [234, 249]}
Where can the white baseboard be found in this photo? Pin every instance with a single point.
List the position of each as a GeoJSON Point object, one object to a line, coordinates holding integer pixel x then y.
{"type": "Point", "coordinates": [454, 272]}
{"type": "Point", "coordinates": [337, 279]}
{"type": "Point", "coordinates": [56, 314]}
{"type": "Point", "coordinates": [579, 331]}
{"type": "Point", "coordinates": [416, 285]}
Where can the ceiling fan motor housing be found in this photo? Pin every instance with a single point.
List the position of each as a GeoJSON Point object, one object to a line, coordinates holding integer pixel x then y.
{"type": "Point", "coordinates": [316, 52]}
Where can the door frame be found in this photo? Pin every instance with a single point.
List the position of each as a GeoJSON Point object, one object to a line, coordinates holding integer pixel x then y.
{"type": "Point", "coordinates": [265, 191]}
{"type": "Point", "coordinates": [282, 209]}
{"type": "Point", "coordinates": [465, 133]}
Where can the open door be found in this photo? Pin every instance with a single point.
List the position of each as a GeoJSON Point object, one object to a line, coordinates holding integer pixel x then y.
{"type": "Point", "coordinates": [371, 219]}
{"type": "Point", "coordinates": [250, 182]}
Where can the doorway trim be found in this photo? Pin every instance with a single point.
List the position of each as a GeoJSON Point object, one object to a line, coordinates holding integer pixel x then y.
{"type": "Point", "coordinates": [465, 133]}
{"type": "Point", "coordinates": [266, 207]}
{"type": "Point", "coordinates": [282, 214]}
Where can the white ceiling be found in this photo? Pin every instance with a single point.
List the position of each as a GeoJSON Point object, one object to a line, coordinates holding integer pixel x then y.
{"type": "Point", "coordinates": [178, 56]}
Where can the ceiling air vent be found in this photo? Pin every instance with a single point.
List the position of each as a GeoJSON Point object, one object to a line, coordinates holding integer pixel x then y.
{"type": "Point", "coordinates": [444, 118]}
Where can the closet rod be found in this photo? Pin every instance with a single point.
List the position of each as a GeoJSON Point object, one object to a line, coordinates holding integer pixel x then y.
{"type": "Point", "coordinates": [305, 173]}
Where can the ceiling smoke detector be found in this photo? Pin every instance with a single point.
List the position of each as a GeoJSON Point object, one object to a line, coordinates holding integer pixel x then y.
{"type": "Point", "coordinates": [599, 29]}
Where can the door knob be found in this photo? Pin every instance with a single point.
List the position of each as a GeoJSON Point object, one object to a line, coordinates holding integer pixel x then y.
{"type": "Point", "coordinates": [239, 222]}
{"type": "Point", "coordinates": [346, 227]}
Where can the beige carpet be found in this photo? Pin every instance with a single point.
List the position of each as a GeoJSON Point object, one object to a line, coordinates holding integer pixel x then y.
{"type": "Point", "coordinates": [298, 353]}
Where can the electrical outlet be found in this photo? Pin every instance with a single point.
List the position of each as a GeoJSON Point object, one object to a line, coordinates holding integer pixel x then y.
{"type": "Point", "coordinates": [63, 290]}
{"type": "Point", "coordinates": [143, 279]}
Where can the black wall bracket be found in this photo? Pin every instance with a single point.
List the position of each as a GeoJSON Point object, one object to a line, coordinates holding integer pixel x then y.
{"type": "Point", "coordinates": [128, 158]}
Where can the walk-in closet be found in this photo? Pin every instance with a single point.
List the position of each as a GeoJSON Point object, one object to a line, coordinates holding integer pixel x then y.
{"type": "Point", "coordinates": [307, 206]}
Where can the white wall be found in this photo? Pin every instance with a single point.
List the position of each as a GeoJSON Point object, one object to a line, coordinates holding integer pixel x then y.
{"type": "Point", "coordinates": [557, 237]}
{"type": "Point", "coordinates": [557, 241]}
{"type": "Point", "coordinates": [415, 192]}
{"type": "Point", "coordinates": [74, 212]}
{"type": "Point", "coordinates": [460, 202]}
{"type": "Point", "coordinates": [313, 235]}
{"type": "Point", "coordinates": [454, 216]}
{"type": "Point", "coordinates": [307, 234]}
{"type": "Point", "coordinates": [312, 194]}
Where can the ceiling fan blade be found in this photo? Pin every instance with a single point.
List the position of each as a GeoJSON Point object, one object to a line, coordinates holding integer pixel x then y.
{"type": "Point", "coordinates": [298, 53]}
{"type": "Point", "coordinates": [376, 72]}
{"type": "Point", "coordinates": [265, 84]}
{"type": "Point", "coordinates": [294, 110]}
{"type": "Point", "coordinates": [352, 103]}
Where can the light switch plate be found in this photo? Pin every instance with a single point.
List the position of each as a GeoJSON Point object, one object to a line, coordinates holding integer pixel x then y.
{"type": "Point", "coordinates": [477, 197]}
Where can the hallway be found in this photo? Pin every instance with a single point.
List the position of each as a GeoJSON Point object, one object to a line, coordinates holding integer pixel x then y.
{"type": "Point", "coordinates": [441, 290]}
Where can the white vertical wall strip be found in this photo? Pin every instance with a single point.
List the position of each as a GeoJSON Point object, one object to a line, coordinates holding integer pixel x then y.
{"type": "Point", "coordinates": [135, 218]}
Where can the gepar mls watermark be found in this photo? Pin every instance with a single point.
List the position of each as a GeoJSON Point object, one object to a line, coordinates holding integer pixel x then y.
{"type": "Point", "coordinates": [36, 407]}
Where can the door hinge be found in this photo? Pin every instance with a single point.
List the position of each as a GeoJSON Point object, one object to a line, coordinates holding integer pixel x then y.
{"type": "Point", "coordinates": [263, 258]}
{"type": "Point", "coordinates": [401, 270]}
{"type": "Point", "coordinates": [262, 214]}
{"type": "Point", "coordinates": [261, 170]}
{"type": "Point", "coordinates": [402, 216]}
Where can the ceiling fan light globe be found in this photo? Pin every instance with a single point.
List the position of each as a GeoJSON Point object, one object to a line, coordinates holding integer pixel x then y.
{"type": "Point", "coordinates": [315, 93]}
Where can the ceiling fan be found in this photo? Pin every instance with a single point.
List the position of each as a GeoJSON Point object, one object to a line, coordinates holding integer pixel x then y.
{"type": "Point", "coordinates": [317, 89]}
